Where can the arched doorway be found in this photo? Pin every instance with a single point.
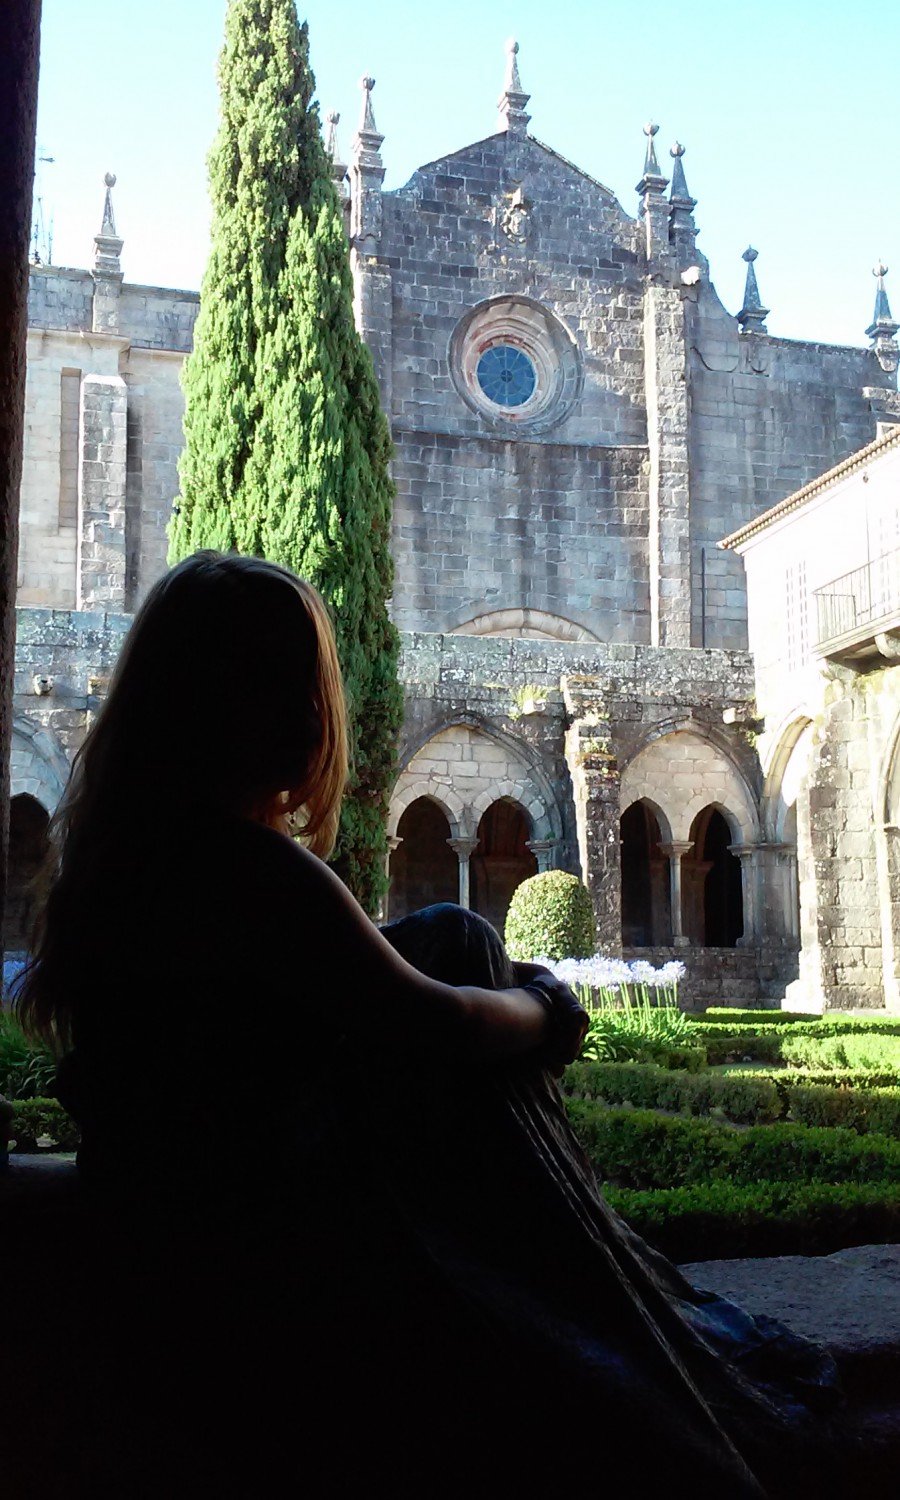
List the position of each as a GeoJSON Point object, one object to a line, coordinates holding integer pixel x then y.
{"type": "Point", "coordinates": [713, 889]}
{"type": "Point", "coordinates": [28, 822]}
{"type": "Point", "coordinates": [501, 861]}
{"type": "Point", "coordinates": [646, 898]}
{"type": "Point", "coordinates": [424, 868]}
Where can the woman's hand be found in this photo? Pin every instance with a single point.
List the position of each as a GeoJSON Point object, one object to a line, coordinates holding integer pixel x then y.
{"type": "Point", "coordinates": [568, 1020]}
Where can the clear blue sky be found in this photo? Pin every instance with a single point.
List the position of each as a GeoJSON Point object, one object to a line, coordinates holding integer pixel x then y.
{"type": "Point", "coordinates": [787, 109]}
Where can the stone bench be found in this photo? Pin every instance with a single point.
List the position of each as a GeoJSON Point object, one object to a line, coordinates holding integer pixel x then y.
{"type": "Point", "coordinates": [52, 1241]}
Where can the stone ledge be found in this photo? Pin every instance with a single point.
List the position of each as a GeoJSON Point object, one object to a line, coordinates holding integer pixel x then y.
{"type": "Point", "coordinates": [848, 1302]}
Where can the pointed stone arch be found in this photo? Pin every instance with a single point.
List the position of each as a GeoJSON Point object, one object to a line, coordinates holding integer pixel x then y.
{"type": "Point", "coordinates": [525, 624]}
{"type": "Point", "coordinates": [682, 771]}
{"type": "Point", "coordinates": [784, 771]}
{"type": "Point", "coordinates": [39, 767]}
{"type": "Point", "coordinates": [413, 788]}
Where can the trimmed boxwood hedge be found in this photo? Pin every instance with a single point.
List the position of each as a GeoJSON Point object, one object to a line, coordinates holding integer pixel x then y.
{"type": "Point", "coordinates": [717, 1014]}
{"type": "Point", "coordinates": [836, 1078]}
{"type": "Point", "coordinates": [746, 1100]}
{"type": "Point", "coordinates": [802, 1046]}
{"type": "Point", "coordinates": [640, 1149]}
{"type": "Point", "coordinates": [737, 1047]}
{"type": "Point", "coordinates": [723, 1220]}
{"type": "Point", "coordinates": [824, 1026]}
{"type": "Point", "coordinates": [864, 1110]}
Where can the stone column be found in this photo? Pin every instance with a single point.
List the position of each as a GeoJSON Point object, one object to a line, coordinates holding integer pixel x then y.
{"type": "Point", "coordinates": [890, 916]}
{"type": "Point", "coordinates": [666, 382]}
{"type": "Point", "coordinates": [542, 849]}
{"type": "Point", "coordinates": [595, 783]}
{"type": "Point", "coordinates": [393, 844]}
{"type": "Point", "coordinates": [666, 376]}
{"type": "Point", "coordinates": [107, 272]}
{"type": "Point", "coordinates": [372, 284]}
{"type": "Point", "coordinates": [776, 885]}
{"type": "Point", "coordinates": [674, 853]}
{"type": "Point", "coordinates": [463, 849]}
{"type": "Point", "coordinates": [749, 858]}
{"type": "Point", "coordinates": [101, 493]}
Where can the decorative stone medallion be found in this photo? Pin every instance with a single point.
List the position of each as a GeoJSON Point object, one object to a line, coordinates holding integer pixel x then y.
{"type": "Point", "coordinates": [515, 218]}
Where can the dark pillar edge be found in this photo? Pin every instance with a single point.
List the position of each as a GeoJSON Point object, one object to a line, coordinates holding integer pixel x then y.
{"type": "Point", "coordinates": [19, 61]}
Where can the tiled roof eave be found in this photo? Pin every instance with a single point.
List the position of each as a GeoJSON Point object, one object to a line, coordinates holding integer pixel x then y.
{"type": "Point", "coordinates": [809, 491]}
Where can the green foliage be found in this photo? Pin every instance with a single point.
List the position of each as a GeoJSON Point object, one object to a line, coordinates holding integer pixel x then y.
{"type": "Point", "coordinates": [746, 1101]}
{"type": "Point", "coordinates": [738, 1017]}
{"type": "Point", "coordinates": [723, 1219]}
{"type": "Point", "coordinates": [640, 1149]}
{"type": "Point", "coordinates": [550, 916]}
{"type": "Point", "coordinates": [634, 1030]}
{"type": "Point", "coordinates": [43, 1120]}
{"type": "Point", "coordinates": [752, 1047]}
{"type": "Point", "coordinates": [849, 1051]}
{"type": "Point", "coordinates": [774, 1022]}
{"type": "Point", "coordinates": [286, 448]}
{"type": "Point", "coordinates": [863, 1110]}
{"type": "Point", "coordinates": [27, 1068]}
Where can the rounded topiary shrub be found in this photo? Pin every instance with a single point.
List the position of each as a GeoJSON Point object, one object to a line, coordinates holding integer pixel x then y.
{"type": "Point", "coordinates": [550, 916]}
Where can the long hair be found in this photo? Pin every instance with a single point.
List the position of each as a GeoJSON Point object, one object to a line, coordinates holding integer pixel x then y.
{"type": "Point", "coordinates": [226, 698]}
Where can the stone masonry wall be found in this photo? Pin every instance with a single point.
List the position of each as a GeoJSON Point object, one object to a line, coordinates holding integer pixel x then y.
{"type": "Point", "coordinates": [64, 659]}
{"type": "Point", "coordinates": [491, 513]}
{"type": "Point", "coordinates": [146, 352]}
{"type": "Point", "coordinates": [485, 524]}
{"type": "Point", "coordinates": [604, 704]}
{"type": "Point", "coordinates": [847, 823]}
{"type": "Point", "coordinates": [767, 416]}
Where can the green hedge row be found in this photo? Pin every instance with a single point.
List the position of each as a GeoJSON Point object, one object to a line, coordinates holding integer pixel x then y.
{"type": "Point", "coordinates": [745, 1099]}
{"type": "Point", "coordinates": [802, 1048]}
{"type": "Point", "coordinates": [849, 1051]}
{"type": "Point", "coordinates": [723, 1014]}
{"type": "Point", "coordinates": [832, 1078]}
{"type": "Point", "coordinates": [823, 1026]}
{"type": "Point", "coordinates": [640, 1149]}
{"type": "Point", "coordinates": [723, 1220]}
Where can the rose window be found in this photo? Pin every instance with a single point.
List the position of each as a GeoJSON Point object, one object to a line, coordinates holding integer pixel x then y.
{"type": "Point", "coordinates": [506, 375]}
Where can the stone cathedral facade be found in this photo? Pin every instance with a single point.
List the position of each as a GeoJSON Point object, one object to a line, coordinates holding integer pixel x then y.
{"type": "Point", "coordinates": [578, 422]}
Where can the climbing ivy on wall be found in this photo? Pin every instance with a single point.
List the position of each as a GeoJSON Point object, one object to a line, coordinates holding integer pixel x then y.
{"type": "Point", "coordinates": [286, 447]}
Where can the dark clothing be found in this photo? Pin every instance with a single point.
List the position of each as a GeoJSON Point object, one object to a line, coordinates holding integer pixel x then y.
{"type": "Point", "coordinates": [361, 1264]}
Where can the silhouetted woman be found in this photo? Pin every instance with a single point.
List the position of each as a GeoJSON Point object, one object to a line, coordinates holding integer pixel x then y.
{"type": "Point", "coordinates": [357, 1246]}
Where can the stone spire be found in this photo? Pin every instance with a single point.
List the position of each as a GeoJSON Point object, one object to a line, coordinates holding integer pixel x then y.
{"type": "Point", "coordinates": [107, 244]}
{"type": "Point", "coordinates": [882, 328]}
{"type": "Point", "coordinates": [652, 187]}
{"type": "Point", "coordinates": [338, 167]}
{"type": "Point", "coordinates": [367, 171]}
{"type": "Point", "coordinates": [107, 268]}
{"type": "Point", "coordinates": [653, 180]}
{"type": "Point", "coordinates": [513, 100]}
{"type": "Point", "coordinates": [752, 316]}
{"type": "Point", "coordinates": [682, 228]}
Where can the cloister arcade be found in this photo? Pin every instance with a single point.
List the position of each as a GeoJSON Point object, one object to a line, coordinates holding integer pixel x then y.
{"type": "Point", "coordinates": [471, 818]}
{"type": "Point", "coordinates": [689, 844]}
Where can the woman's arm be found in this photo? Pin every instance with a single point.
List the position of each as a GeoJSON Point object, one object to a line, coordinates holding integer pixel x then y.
{"type": "Point", "coordinates": [400, 1003]}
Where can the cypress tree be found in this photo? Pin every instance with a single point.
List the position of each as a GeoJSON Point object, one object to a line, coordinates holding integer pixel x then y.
{"type": "Point", "coordinates": [286, 448]}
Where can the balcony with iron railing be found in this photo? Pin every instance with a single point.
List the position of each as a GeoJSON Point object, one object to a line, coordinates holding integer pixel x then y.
{"type": "Point", "coordinates": [858, 612]}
